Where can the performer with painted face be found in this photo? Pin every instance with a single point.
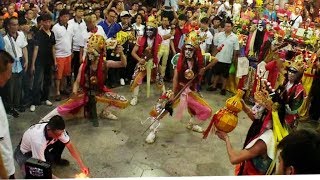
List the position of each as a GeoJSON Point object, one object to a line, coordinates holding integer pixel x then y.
{"type": "Point", "coordinates": [258, 150]}
{"type": "Point", "coordinates": [187, 75]}
{"type": "Point", "coordinates": [90, 83]}
{"type": "Point", "coordinates": [145, 52]}
{"type": "Point", "coordinates": [292, 93]}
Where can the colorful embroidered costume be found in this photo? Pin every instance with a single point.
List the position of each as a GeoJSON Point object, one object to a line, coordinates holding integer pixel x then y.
{"type": "Point", "coordinates": [91, 80]}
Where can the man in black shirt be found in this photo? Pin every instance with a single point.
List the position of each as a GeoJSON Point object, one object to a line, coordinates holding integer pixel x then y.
{"type": "Point", "coordinates": [43, 61]}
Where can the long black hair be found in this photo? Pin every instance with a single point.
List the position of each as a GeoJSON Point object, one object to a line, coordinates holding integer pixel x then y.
{"type": "Point", "coordinates": [255, 128]}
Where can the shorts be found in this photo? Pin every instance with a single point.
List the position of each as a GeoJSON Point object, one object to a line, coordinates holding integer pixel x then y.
{"type": "Point", "coordinates": [20, 157]}
{"type": "Point", "coordinates": [64, 67]}
{"type": "Point", "coordinates": [221, 69]}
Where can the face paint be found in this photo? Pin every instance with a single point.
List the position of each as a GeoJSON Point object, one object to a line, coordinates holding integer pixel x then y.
{"type": "Point", "coordinates": [92, 54]}
{"type": "Point", "coordinates": [149, 31]}
{"type": "Point", "coordinates": [189, 51]}
{"type": "Point", "coordinates": [257, 110]}
{"type": "Point", "coordinates": [292, 74]}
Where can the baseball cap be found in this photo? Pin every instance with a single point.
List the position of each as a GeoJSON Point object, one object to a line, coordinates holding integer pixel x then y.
{"type": "Point", "coordinates": [58, 2]}
{"type": "Point", "coordinates": [124, 13]}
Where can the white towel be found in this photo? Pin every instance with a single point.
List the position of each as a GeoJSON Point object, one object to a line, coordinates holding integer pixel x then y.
{"type": "Point", "coordinates": [242, 67]}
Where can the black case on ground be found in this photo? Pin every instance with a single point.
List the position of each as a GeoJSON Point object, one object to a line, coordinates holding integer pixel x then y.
{"type": "Point", "coordinates": [37, 169]}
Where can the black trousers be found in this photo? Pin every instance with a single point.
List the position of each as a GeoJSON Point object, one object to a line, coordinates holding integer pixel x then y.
{"type": "Point", "coordinates": [52, 153]}
{"type": "Point", "coordinates": [75, 64]}
{"type": "Point", "coordinates": [15, 89]}
{"type": "Point", "coordinates": [114, 76]}
{"type": "Point", "coordinates": [131, 64]}
{"type": "Point", "coordinates": [41, 83]}
{"type": "Point", "coordinates": [4, 93]}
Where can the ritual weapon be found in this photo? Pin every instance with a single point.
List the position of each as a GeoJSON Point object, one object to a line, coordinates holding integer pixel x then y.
{"type": "Point", "coordinates": [167, 108]}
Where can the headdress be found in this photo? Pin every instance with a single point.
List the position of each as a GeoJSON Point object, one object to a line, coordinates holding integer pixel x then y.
{"type": "Point", "coordinates": [262, 96]}
{"type": "Point", "coordinates": [152, 21]}
{"type": "Point", "coordinates": [298, 64]}
{"type": "Point", "coordinates": [193, 39]}
{"type": "Point", "coordinates": [96, 42]}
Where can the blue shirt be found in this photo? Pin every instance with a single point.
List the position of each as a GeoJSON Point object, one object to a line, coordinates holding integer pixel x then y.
{"type": "Point", "coordinates": [1, 43]}
{"type": "Point", "coordinates": [271, 15]}
{"type": "Point", "coordinates": [111, 30]}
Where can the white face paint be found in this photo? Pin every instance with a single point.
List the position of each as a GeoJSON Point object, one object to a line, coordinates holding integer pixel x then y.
{"type": "Point", "coordinates": [292, 74]}
{"type": "Point", "coordinates": [90, 57]}
{"type": "Point", "coordinates": [257, 110]}
{"type": "Point", "coordinates": [92, 54]}
{"type": "Point", "coordinates": [149, 31]}
{"type": "Point", "coordinates": [189, 51]}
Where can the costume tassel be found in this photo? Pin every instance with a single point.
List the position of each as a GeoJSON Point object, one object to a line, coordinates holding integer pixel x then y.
{"type": "Point", "coordinates": [210, 127]}
{"type": "Point", "coordinates": [149, 69]}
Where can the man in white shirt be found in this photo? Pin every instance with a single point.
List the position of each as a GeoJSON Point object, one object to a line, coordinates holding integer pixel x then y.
{"type": "Point", "coordinates": [77, 26]}
{"type": "Point", "coordinates": [225, 7]}
{"type": "Point", "coordinates": [16, 45]}
{"type": "Point", "coordinates": [134, 9]}
{"type": "Point", "coordinates": [63, 35]}
{"type": "Point", "coordinates": [46, 141]}
{"type": "Point", "coordinates": [296, 18]}
{"type": "Point", "coordinates": [167, 35]}
{"type": "Point", "coordinates": [92, 28]}
{"type": "Point", "coordinates": [6, 153]}
{"type": "Point", "coordinates": [226, 47]}
{"type": "Point", "coordinates": [205, 34]}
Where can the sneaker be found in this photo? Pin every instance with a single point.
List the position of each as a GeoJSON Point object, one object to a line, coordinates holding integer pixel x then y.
{"type": "Point", "coordinates": [108, 115]}
{"type": "Point", "coordinates": [195, 128]}
{"type": "Point", "coordinates": [48, 103]}
{"type": "Point", "coordinates": [223, 92]}
{"type": "Point", "coordinates": [112, 116]}
{"type": "Point", "coordinates": [13, 113]}
{"type": "Point", "coordinates": [32, 108]}
{"type": "Point", "coordinates": [134, 101]}
{"type": "Point", "coordinates": [211, 88]}
{"type": "Point", "coordinates": [58, 98]}
{"type": "Point", "coordinates": [21, 109]}
{"type": "Point", "coordinates": [122, 82]}
{"type": "Point", "coordinates": [151, 137]}
{"type": "Point", "coordinates": [62, 162]}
